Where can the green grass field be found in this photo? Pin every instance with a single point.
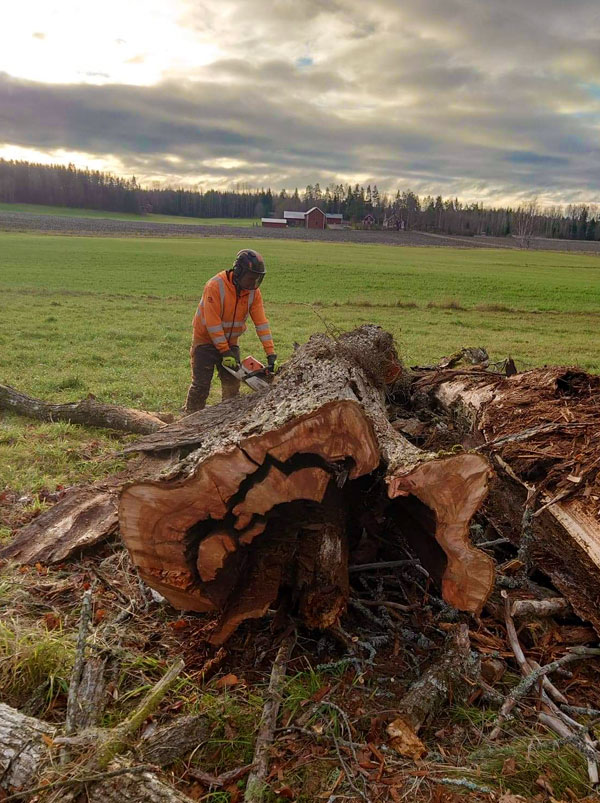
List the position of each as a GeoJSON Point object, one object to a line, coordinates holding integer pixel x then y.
{"type": "Point", "coordinates": [113, 317]}
{"type": "Point", "coordinates": [67, 211]}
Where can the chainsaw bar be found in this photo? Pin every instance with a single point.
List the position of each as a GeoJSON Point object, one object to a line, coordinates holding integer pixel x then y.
{"type": "Point", "coordinates": [253, 373]}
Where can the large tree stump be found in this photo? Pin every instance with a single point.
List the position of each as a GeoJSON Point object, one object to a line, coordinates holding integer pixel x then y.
{"type": "Point", "coordinates": [246, 513]}
{"type": "Point", "coordinates": [542, 430]}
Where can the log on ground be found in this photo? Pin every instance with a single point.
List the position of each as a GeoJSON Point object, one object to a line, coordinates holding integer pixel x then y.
{"type": "Point", "coordinates": [88, 412]}
{"type": "Point", "coordinates": [253, 512]}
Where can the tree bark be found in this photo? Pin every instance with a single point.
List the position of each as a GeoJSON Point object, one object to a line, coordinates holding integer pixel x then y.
{"type": "Point", "coordinates": [450, 677]}
{"type": "Point", "coordinates": [223, 528]}
{"type": "Point", "coordinates": [175, 740]}
{"type": "Point", "coordinates": [23, 750]}
{"type": "Point", "coordinates": [541, 430]}
{"type": "Point", "coordinates": [256, 786]}
{"type": "Point", "coordinates": [133, 788]}
{"type": "Point", "coordinates": [88, 412]}
{"type": "Point", "coordinates": [84, 517]}
{"type": "Point", "coordinates": [25, 754]}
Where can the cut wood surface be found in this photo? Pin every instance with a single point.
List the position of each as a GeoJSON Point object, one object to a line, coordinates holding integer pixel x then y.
{"type": "Point", "coordinates": [228, 525]}
{"type": "Point", "coordinates": [88, 412]}
{"type": "Point", "coordinates": [542, 431]}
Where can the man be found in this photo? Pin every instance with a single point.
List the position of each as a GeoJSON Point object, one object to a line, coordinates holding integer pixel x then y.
{"type": "Point", "coordinates": [220, 319]}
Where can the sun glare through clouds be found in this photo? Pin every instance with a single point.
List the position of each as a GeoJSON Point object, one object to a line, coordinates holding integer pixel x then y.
{"type": "Point", "coordinates": [128, 42]}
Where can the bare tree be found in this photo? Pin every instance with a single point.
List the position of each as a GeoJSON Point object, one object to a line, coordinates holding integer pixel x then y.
{"type": "Point", "coordinates": [525, 217]}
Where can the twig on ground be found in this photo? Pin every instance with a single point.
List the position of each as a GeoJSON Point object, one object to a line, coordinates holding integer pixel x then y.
{"type": "Point", "coordinates": [466, 784]}
{"type": "Point", "coordinates": [255, 787]}
{"type": "Point", "coordinates": [395, 606]}
{"type": "Point", "coordinates": [532, 676]}
{"type": "Point", "coordinates": [109, 584]}
{"type": "Point", "coordinates": [540, 607]}
{"type": "Point", "coordinates": [336, 743]}
{"type": "Point", "coordinates": [219, 781]}
{"type": "Point", "coordinates": [303, 720]}
{"type": "Point", "coordinates": [577, 709]}
{"type": "Point", "coordinates": [114, 741]}
{"type": "Point", "coordinates": [390, 564]}
{"type": "Point", "coordinates": [314, 735]}
{"type": "Point", "coordinates": [494, 542]}
{"type": "Point", "coordinates": [584, 745]}
{"type": "Point", "coordinates": [77, 671]}
{"type": "Point", "coordinates": [548, 686]}
{"type": "Point", "coordinates": [75, 680]}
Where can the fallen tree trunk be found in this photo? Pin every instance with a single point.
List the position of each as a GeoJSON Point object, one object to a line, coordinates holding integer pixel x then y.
{"type": "Point", "coordinates": [254, 509]}
{"type": "Point", "coordinates": [89, 412]}
{"type": "Point", "coordinates": [542, 431]}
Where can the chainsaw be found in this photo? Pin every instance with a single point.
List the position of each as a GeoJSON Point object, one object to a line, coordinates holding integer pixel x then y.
{"type": "Point", "coordinates": [256, 375]}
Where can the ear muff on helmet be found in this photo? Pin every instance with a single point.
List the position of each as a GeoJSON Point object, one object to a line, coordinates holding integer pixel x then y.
{"type": "Point", "coordinates": [248, 261]}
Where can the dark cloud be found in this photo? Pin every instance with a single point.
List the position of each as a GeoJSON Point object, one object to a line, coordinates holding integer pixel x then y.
{"type": "Point", "coordinates": [469, 97]}
{"type": "Point", "coordinates": [526, 157]}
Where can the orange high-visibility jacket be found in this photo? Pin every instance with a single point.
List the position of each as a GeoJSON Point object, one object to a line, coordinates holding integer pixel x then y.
{"type": "Point", "coordinates": [221, 315]}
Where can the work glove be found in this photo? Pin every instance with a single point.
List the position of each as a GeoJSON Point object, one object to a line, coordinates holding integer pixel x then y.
{"type": "Point", "coordinates": [230, 360]}
{"type": "Point", "coordinates": [272, 363]}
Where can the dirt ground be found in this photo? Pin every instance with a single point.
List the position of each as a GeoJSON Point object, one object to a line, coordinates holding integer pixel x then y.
{"type": "Point", "coordinates": [22, 221]}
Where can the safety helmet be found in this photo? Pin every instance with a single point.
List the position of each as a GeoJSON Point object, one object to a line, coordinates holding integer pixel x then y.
{"type": "Point", "coordinates": [248, 261]}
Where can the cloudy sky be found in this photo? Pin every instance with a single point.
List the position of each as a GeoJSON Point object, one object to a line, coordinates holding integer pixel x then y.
{"type": "Point", "coordinates": [483, 99]}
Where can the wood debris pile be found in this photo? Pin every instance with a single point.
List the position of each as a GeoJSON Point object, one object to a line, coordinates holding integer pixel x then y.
{"type": "Point", "coordinates": [361, 679]}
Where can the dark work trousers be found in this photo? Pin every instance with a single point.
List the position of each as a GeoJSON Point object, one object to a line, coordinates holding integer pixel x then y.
{"type": "Point", "coordinates": [204, 359]}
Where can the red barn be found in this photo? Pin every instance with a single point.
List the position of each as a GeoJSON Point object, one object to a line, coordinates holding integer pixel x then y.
{"type": "Point", "coordinates": [274, 222]}
{"type": "Point", "coordinates": [295, 218]}
{"type": "Point", "coordinates": [315, 218]}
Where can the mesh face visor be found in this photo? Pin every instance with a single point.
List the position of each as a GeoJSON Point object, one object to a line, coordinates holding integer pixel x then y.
{"type": "Point", "coordinates": [257, 276]}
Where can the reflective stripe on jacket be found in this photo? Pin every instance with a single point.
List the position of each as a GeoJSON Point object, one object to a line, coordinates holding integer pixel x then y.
{"type": "Point", "coordinates": [221, 315]}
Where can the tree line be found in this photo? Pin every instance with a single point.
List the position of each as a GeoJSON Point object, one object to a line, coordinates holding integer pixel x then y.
{"type": "Point", "coordinates": [67, 185]}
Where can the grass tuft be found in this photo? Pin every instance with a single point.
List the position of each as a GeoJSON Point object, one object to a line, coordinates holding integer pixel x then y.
{"type": "Point", "coordinates": [31, 657]}
{"type": "Point", "coordinates": [447, 303]}
{"type": "Point", "coordinates": [520, 763]}
{"type": "Point", "coordinates": [70, 383]}
{"type": "Point", "coordinates": [494, 308]}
